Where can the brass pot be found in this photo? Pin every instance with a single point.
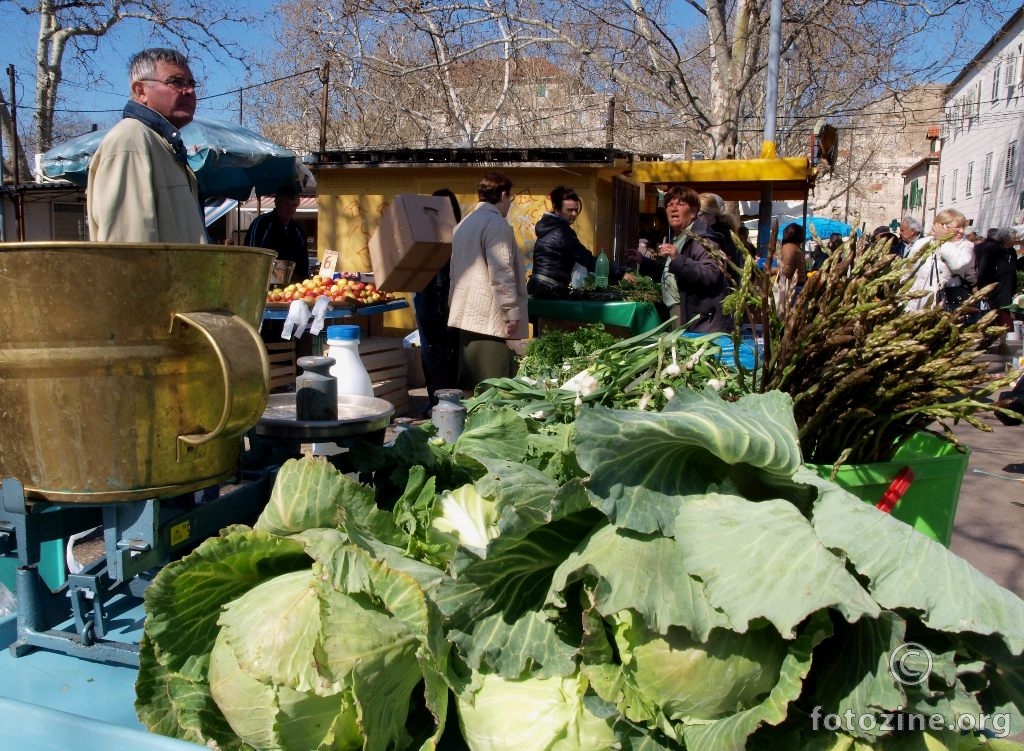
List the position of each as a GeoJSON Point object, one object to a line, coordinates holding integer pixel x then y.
{"type": "Point", "coordinates": [128, 371]}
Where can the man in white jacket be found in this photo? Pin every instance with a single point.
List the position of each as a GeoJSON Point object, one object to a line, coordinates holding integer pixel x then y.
{"type": "Point", "coordinates": [949, 266]}
{"type": "Point", "coordinates": [488, 298]}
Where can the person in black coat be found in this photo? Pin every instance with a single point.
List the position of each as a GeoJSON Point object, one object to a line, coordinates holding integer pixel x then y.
{"type": "Point", "coordinates": [996, 262]}
{"type": "Point", "coordinates": [701, 278]}
{"type": "Point", "coordinates": [439, 343]}
{"type": "Point", "coordinates": [278, 230]}
{"type": "Point", "coordinates": [558, 248]}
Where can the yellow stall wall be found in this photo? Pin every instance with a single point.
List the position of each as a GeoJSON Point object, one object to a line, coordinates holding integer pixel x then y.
{"type": "Point", "coordinates": [351, 200]}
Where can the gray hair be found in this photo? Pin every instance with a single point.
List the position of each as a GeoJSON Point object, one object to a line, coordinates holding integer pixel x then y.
{"type": "Point", "coordinates": [911, 223]}
{"type": "Point", "coordinates": [142, 65]}
{"type": "Point", "coordinates": [1003, 236]}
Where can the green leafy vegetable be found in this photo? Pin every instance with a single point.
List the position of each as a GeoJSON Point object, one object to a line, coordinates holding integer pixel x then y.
{"type": "Point", "coordinates": [549, 354]}
{"type": "Point", "coordinates": [614, 578]}
{"type": "Point", "coordinates": [323, 639]}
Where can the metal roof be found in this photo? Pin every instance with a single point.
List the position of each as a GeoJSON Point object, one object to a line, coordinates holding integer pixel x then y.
{"type": "Point", "coordinates": [601, 157]}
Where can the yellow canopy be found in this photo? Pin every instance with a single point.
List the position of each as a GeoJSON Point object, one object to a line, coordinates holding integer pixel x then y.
{"type": "Point", "coordinates": [733, 179]}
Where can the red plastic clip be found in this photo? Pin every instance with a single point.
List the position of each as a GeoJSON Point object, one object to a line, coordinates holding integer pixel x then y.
{"type": "Point", "coordinates": [899, 485]}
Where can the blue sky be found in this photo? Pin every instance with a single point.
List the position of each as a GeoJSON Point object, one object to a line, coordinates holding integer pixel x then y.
{"type": "Point", "coordinates": [102, 104]}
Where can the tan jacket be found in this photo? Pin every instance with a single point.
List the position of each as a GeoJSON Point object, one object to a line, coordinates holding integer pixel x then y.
{"type": "Point", "coordinates": [488, 276]}
{"type": "Point", "coordinates": [139, 193]}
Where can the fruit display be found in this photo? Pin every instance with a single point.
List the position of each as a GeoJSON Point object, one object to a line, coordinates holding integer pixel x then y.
{"type": "Point", "coordinates": [344, 290]}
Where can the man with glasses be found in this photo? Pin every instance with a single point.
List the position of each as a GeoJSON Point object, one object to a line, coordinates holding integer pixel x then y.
{"type": "Point", "coordinates": [141, 188]}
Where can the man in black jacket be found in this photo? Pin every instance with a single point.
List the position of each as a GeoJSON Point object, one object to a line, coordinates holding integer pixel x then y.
{"type": "Point", "coordinates": [278, 230]}
{"type": "Point", "coordinates": [996, 262]}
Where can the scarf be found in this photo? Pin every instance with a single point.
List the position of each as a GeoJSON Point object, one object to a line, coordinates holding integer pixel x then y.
{"type": "Point", "coordinates": [158, 123]}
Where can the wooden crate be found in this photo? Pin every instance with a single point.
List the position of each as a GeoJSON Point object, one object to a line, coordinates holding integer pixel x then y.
{"type": "Point", "coordinates": [384, 360]}
{"type": "Point", "coordinates": [282, 364]}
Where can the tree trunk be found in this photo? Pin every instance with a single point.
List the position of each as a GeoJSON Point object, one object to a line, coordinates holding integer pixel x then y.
{"type": "Point", "coordinates": [13, 142]}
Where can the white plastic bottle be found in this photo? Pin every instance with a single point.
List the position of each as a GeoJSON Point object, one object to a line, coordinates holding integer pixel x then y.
{"type": "Point", "coordinates": [348, 368]}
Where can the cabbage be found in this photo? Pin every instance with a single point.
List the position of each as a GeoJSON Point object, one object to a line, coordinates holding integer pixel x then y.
{"type": "Point", "coordinates": [296, 663]}
{"type": "Point", "coordinates": [464, 517]}
{"type": "Point", "coordinates": [549, 715]}
{"type": "Point", "coordinates": [698, 588]}
{"type": "Point", "coordinates": [687, 679]}
{"type": "Point", "coordinates": [318, 640]}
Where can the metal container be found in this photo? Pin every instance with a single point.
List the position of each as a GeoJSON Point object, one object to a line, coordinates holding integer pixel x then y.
{"type": "Point", "coordinates": [128, 371]}
{"type": "Point", "coordinates": [281, 273]}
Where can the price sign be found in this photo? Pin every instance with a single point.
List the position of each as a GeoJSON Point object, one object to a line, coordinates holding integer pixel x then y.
{"type": "Point", "coordinates": [328, 264]}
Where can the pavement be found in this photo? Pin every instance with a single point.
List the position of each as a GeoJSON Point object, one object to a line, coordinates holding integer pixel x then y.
{"type": "Point", "coordinates": [988, 530]}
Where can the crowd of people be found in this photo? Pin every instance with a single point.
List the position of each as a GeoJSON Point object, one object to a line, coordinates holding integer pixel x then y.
{"type": "Point", "coordinates": [962, 263]}
{"type": "Point", "coordinates": [696, 265]}
{"type": "Point", "coordinates": [141, 189]}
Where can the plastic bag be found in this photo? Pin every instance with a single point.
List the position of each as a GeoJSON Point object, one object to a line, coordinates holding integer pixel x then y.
{"type": "Point", "coordinates": [579, 276]}
{"type": "Point", "coordinates": [295, 323]}
{"type": "Point", "coordinates": [319, 311]}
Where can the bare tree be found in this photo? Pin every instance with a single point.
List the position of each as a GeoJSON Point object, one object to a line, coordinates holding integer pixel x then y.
{"type": "Point", "coordinates": [670, 86]}
{"type": "Point", "coordinates": [71, 31]}
{"type": "Point", "coordinates": [409, 74]}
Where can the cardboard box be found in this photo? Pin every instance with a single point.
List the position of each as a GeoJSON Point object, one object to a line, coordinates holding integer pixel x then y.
{"type": "Point", "coordinates": [412, 242]}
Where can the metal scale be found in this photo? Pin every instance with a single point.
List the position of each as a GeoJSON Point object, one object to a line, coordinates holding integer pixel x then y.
{"type": "Point", "coordinates": [95, 614]}
{"type": "Point", "coordinates": [139, 400]}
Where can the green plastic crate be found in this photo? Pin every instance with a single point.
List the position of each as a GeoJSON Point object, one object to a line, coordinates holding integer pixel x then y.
{"type": "Point", "coordinates": [929, 505]}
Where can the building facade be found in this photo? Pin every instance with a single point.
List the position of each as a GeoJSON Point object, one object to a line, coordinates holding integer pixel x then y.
{"type": "Point", "coordinates": [921, 183]}
{"type": "Point", "coordinates": [983, 134]}
{"type": "Point", "coordinates": [887, 138]}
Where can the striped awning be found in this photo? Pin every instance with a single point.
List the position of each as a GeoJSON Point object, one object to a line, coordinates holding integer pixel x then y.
{"type": "Point", "coordinates": [215, 208]}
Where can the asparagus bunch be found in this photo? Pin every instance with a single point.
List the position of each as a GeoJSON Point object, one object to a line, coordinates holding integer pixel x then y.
{"type": "Point", "coordinates": [864, 373]}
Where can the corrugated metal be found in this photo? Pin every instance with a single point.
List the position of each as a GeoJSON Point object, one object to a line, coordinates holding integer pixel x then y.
{"type": "Point", "coordinates": [266, 203]}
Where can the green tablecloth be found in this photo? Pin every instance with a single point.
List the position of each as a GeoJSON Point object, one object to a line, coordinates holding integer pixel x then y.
{"type": "Point", "coordinates": [636, 316]}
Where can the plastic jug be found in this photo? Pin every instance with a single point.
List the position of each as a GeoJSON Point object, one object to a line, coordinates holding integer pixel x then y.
{"type": "Point", "coordinates": [348, 368]}
{"type": "Point", "coordinates": [601, 271]}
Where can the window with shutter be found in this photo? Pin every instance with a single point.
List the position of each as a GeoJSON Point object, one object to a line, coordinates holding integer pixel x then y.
{"type": "Point", "coordinates": [986, 175]}
{"type": "Point", "coordinates": [995, 83]}
{"type": "Point", "coordinates": [942, 190]}
{"type": "Point", "coordinates": [968, 182]}
{"type": "Point", "coordinates": [1010, 173]}
{"type": "Point", "coordinates": [952, 185]}
{"type": "Point", "coordinates": [70, 221]}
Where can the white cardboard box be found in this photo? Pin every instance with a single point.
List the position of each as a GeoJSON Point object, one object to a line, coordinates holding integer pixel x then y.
{"type": "Point", "coordinates": [412, 242]}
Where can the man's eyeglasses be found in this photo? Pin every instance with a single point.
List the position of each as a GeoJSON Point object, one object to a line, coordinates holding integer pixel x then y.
{"type": "Point", "coordinates": [181, 85]}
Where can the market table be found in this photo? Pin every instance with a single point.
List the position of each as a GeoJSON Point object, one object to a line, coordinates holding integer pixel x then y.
{"type": "Point", "coordinates": [634, 317]}
{"type": "Point", "coordinates": [336, 315]}
{"type": "Point", "coordinates": [284, 352]}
